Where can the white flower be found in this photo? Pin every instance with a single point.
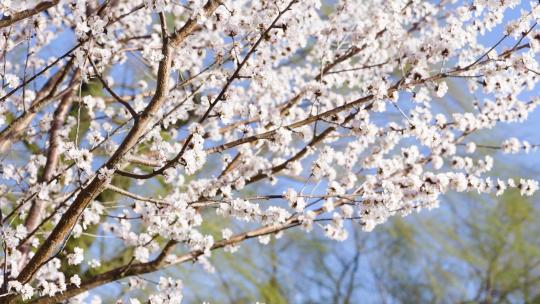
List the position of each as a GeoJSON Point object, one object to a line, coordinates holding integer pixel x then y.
{"type": "Point", "coordinates": [15, 285]}
{"type": "Point", "coordinates": [196, 128]}
{"type": "Point", "coordinates": [437, 162]}
{"type": "Point", "coordinates": [295, 202]}
{"type": "Point", "coordinates": [94, 263]}
{"type": "Point", "coordinates": [152, 54]}
{"type": "Point", "coordinates": [346, 211]}
{"type": "Point", "coordinates": [379, 105]}
{"type": "Point", "coordinates": [96, 25]}
{"type": "Point", "coordinates": [441, 120]}
{"type": "Point", "coordinates": [76, 257]}
{"type": "Point", "coordinates": [528, 186]}
{"type": "Point", "coordinates": [75, 280]}
{"type": "Point", "coordinates": [440, 89]}
{"type": "Point", "coordinates": [142, 254]}
{"type": "Point", "coordinates": [380, 90]}
{"type": "Point", "coordinates": [12, 80]}
{"type": "Point", "coordinates": [283, 136]}
{"type": "Point", "coordinates": [94, 138]}
{"type": "Point", "coordinates": [105, 174]}
{"type": "Point", "coordinates": [264, 239]}
{"type": "Point", "coordinates": [195, 160]}
{"type": "Point", "coordinates": [511, 145]}
{"type": "Point", "coordinates": [470, 147]}
{"type": "Point", "coordinates": [500, 187]}
{"type": "Point", "coordinates": [306, 220]}
{"type": "Point", "coordinates": [27, 292]}
{"type": "Point", "coordinates": [328, 205]}
{"type": "Point", "coordinates": [226, 233]}
{"type": "Point", "coordinates": [20, 231]}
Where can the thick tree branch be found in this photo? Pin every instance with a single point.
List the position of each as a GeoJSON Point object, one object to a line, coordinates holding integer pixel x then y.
{"type": "Point", "coordinates": [96, 186]}
{"type": "Point", "coordinates": [111, 276]}
{"type": "Point", "coordinates": [18, 16]}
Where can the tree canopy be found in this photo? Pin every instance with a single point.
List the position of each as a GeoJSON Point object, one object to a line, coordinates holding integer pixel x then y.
{"type": "Point", "coordinates": [137, 137]}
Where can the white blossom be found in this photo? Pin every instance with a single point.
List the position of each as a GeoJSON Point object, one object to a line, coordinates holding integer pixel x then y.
{"type": "Point", "coordinates": [76, 257]}
{"type": "Point", "coordinates": [75, 280]}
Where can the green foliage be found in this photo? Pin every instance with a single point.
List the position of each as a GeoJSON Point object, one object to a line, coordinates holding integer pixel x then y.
{"type": "Point", "coordinates": [486, 252]}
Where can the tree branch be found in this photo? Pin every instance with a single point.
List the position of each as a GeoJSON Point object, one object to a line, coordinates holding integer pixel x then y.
{"type": "Point", "coordinates": [18, 16]}
{"type": "Point", "coordinates": [96, 186]}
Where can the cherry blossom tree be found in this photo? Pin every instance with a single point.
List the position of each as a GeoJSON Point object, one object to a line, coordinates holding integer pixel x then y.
{"type": "Point", "coordinates": [134, 123]}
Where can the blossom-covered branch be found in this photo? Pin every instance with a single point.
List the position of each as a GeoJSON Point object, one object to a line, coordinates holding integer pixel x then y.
{"type": "Point", "coordinates": [140, 121]}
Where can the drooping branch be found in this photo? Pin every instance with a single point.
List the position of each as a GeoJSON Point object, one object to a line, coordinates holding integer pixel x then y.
{"type": "Point", "coordinates": [159, 263]}
{"type": "Point", "coordinates": [163, 261]}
